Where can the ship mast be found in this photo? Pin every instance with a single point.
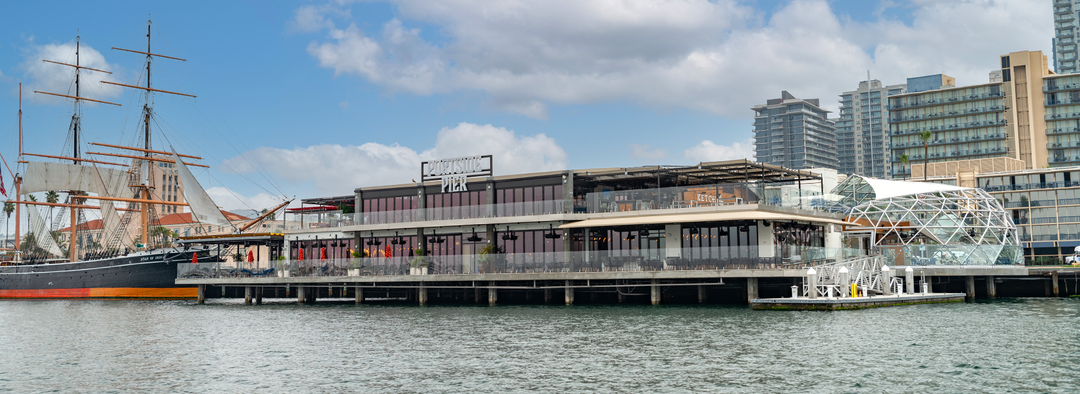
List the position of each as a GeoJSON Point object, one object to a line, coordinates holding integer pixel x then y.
{"type": "Point", "coordinates": [74, 203]}
{"type": "Point", "coordinates": [147, 112]}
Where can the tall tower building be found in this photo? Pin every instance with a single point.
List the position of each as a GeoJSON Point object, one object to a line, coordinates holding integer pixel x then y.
{"type": "Point", "coordinates": [794, 133]}
{"type": "Point", "coordinates": [996, 126]}
{"type": "Point", "coordinates": [863, 127]}
{"type": "Point", "coordinates": [1065, 36]}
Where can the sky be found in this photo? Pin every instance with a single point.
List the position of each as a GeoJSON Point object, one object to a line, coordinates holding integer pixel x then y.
{"type": "Point", "coordinates": [315, 98]}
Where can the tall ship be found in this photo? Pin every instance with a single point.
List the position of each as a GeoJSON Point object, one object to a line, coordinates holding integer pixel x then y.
{"type": "Point", "coordinates": [130, 254]}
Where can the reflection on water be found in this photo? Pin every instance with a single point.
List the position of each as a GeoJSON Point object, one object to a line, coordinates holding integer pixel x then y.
{"type": "Point", "coordinates": [94, 346]}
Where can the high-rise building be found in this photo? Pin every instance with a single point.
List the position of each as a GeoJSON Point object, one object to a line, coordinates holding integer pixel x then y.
{"type": "Point", "coordinates": [1065, 36]}
{"type": "Point", "coordinates": [968, 124]}
{"type": "Point", "coordinates": [794, 133]}
{"type": "Point", "coordinates": [862, 129]}
{"type": "Point", "coordinates": [929, 82]}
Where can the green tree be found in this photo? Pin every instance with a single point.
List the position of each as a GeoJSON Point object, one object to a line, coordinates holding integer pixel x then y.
{"type": "Point", "coordinates": [925, 137]}
{"type": "Point", "coordinates": [9, 207]}
{"type": "Point", "coordinates": [904, 160]}
{"type": "Point", "coordinates": [51, 197]}
{"type": "Point", "coordinates": [163, 235]}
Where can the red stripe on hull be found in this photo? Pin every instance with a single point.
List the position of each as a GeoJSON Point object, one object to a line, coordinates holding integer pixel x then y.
{"type": "Point", "coordinates": [104, 292]}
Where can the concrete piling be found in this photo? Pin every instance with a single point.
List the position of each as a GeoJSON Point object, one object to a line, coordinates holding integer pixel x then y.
{"type": "Point", "coordinates": [654, 293]}
{"type": "Point", "coordinates": [202, 294]}
{"type": "Point", "coordinates": [301, 294]}
{"type": "Point", "coordinates": [845, 283]}
{"type": "Point", "coordinates": [811, 283]}
{"type": "Point", "coordinates": [547, 296]}
{"type": "Point", "coordinates": [247, 295]}
{"type": "Point", "coordinates": [701, 294]}
{"type": "Point", "coordinates": [969, 289]}
{"type": "Point", "coordinates": [751, 289]}
{"type": "Point", "coordinates": [359, 295]}
{"type": "Point", "coordinates": [886, 279]}
{"type": "Point", "coordinates": [422, 294]}
{"type": "Point", "coordinates": [991, 287]}
{"type": "Point", "coordinates": [569, 292]}
{"type": "Point", "coordinates": [493, 296]}
{"type": "Point", "coordinates": [258, 295]}
{"type": "Point", "coordinates": [1054, 280]}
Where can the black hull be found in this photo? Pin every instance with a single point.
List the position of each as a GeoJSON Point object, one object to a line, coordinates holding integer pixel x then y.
{"type": "Point", "coordinates": [149, 275]}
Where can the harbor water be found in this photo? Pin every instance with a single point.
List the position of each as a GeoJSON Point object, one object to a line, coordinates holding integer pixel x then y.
{"type": "Point", "coordinates": [1026, 345]}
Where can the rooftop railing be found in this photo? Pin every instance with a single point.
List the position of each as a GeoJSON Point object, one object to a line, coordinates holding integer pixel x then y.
{"type": "Point", "coordinates": [715, 258]}
{"type": "Point", "coordinates": [781, 195]}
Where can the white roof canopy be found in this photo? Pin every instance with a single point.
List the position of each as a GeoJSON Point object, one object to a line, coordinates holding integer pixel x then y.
{"type": "Point", "coordinates": [888, 189]}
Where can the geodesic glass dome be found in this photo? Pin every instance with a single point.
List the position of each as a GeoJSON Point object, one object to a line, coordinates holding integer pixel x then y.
{"type": "Point", "coordinates": [932, 216]}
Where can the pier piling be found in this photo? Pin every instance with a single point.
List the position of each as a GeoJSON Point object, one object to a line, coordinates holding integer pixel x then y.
{"type": "Point", "coordinates": [258, 295]}
{"type": "Point", "coordinates": [493, 296]}
{"type": "Point", "coordinates": [991, 287]}
{"type": "Point", "coordinates": [547, 296]}
{"type": "Point", "coordinates": [654, 293]}
{"type": "Point", "coordinates": [701, 294]}
{"type": "Point", "coordinates": [969, 288]}
{"type": "Point", "coordinates": [751, 289]}
{"type": "Point", "coordinates": [569, 292]}
{"type": "Point", "coordinates": [359, 295]}
{"type": "Point", "coordinates": [909, 280]}
{"type": "Point", "coordinates": [247, 295]}
{"type": "Point", "coordinates": [1054, 279]}
{"type": "Point", "coordinates": [421, 294]}
{"type": "Point", "coordinates": [202, 294]}
{"type": "Point", "coordinates": [301, 295]}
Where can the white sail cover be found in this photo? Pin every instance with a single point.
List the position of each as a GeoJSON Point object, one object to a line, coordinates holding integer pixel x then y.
{"type": "Point", "coordinates": [41, 233]}
{"type": "Point", "coordinates": [202, 207]}
{"type": "Point", "coordinates": [42, 177]}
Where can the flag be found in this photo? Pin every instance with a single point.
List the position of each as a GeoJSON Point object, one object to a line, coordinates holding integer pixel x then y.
{"type": "Point", "coordinates": [2, 191]}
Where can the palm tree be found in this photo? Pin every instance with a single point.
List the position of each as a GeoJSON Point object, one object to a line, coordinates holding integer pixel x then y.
{"type": "Point", "coordinates": [925, 136]}
{"type": "Point", "coordinates": [8, 209]}
{"type": "Point", "coordinates": [904, 160]}
{"type": "Point", "coordinates": [51, 197]}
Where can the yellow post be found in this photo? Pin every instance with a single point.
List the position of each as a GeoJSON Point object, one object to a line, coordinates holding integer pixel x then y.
{"type": "Point", "coordinates": [854, 290]}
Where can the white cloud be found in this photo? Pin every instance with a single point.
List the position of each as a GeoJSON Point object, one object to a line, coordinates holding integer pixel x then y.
{"type": "Point", "coordinates": [343, 105]}
{"type": "Point", "coordinates": [720, 57]}
{"type": "Point", "coordinates": [709, 151]}
{"type": "Point", "coordinates": [647, 152]}
{"type": "Point", "coordinates": [55, 78]}
{"type": "Point", "coordinates": [338, 169]}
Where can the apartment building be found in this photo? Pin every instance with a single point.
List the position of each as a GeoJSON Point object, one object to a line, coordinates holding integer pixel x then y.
{"type": "Point", "coordinates": [862, 129]}
{"type": "Point", "coordinates": [794, 133]}
{"type": "Point", "coordinates": [1065, 36]}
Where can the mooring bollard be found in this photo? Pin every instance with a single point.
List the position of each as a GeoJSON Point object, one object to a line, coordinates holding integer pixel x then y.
{"type": "Point", "coordinates": [811, 283]}
{"type": "Point", "coordinates": [886, 279]}
{"type": "Point", "coordinates": [899, 289]}
{"type": "Point", "coordinates": [845, 283]}
{"type": "Point", "coordinates": [925, 288]}
{"type": "Point", "coordinates": [909, 280]}
{"type": "Point", "coordinates": [794, 291]}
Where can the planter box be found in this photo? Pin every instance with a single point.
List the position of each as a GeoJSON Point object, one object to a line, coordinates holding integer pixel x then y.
{"type": "Point", "coordinates": [418, 271]}
{"type": "Point", "coordinates": [283, 273]}
{"type": "Point", "coordinates": [355, 272]}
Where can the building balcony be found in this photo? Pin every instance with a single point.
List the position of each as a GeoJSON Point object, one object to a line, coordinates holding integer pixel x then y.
{"type": "Point", "coordinates": [1053, 87]}
{"type": "Point", "coordinates": [956, 99]}
{"type": "Point", "coordinates": [1067, 115]}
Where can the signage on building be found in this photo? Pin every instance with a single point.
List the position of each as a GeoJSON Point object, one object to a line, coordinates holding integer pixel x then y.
{"type": "Point", "coordinates": [454, 173]}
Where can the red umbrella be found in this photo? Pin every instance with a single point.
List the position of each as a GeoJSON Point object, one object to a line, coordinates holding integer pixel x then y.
{"type": "Point", "coordinates": [194, 258]}
{"type": "Point", "coordinates": [251, 256]}
{"type": "Point", "coordinates": [301, 253]}
{"type": "Point", "coordinates": [323, 254]}
{"type": "Point", "coordinates": [388, 251]}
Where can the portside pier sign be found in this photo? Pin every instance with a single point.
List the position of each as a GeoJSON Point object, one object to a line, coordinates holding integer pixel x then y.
{"type": "Point", "coordinates": [454, 173]}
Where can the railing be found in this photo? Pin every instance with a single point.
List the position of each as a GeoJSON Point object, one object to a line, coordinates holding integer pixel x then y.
{"type": "Point", "coordinates": [339, 219]}
{"type": "Point", "coordinates": [715, 258]}
{"type": "Point", "coordinates": [789, 195]}
{"type": "Point", "coordinates": [953, 254]}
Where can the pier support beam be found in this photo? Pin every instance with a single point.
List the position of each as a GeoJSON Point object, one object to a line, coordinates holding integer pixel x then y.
{"type": "Point", "coordinates": [909, 280]}
{"type": "Point", "coordinates": [301, 294]}
{"type": "Point", "coordinates": [421, 294]}
{"type": "Point", "coordinates": [751, 289]}
{"type": "Point", "coordinates": [622, 297]}
{"type": "Point", "coordinates": [654, 293]}
{"type": "Point", "coordinates": [476, 295]}
{"type": "Point", "coordinates": [1054, 279]}
{"type": "Point", "coordinates": [970, 288]}
{"type": "Point", "coordinates": [570, 292]}
{"type": "Point", "coordinates": [202, 294]}
{"type": "Point", "coordinates": [991, 287]}
{"type": "Point", "coordinates": [493, 296]}
{"type": "Point", "coordinates": [701, 294]}
{"type": "Point", "coordinates": [359, 295]}
{"type": "Point", "coordinates": [547, 296]}
{"type": "Point", "coordinates": [247, 295]}
{"type": "Point", "coordinates": [258, 295]}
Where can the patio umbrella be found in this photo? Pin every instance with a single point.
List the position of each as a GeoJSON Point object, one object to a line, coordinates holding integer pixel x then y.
{"type": "Point", "coordinates": [323, 250]}
{"type": "Point", "coordinates": [388, 251]}
{"type": "Point", "coordinates": [301, 253]}
{"type": "Point", "coordinates": [194, 258]}
{"type": "Point", "coordinates": [251, 256]}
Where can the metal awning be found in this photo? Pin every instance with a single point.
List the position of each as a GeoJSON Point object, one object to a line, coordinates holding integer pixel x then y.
{"type": "Point", "coordinates": [699, 217]}
{"type": "Point", "coordinates": [236, 239]}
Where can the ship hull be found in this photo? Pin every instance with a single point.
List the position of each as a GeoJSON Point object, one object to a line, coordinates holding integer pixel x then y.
{"type": "Point", "coordinates": [150, 275]}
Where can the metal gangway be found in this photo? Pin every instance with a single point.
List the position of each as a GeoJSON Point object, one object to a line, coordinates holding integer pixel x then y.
{"type": "Point", "coordinates": [868, 273]}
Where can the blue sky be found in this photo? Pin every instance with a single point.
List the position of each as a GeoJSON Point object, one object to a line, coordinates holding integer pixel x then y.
{"type": "Point", "coordinates": [323, 97]}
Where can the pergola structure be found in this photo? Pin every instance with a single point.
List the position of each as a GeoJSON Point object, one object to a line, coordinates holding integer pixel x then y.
{"type": "Point", "coordinates": [967, 220]}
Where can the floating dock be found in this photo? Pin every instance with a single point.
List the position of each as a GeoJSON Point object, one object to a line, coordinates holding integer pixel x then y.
{"type": "Point", "coordinates": [836, 304]}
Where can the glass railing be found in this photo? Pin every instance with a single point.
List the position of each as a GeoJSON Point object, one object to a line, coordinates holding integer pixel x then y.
{"type": "Point", "coordinates": [339, 219]}
{"type": "Point", "coordinates": [782, 195]}
{"type": "Point", "coordinates": [931, 255]}
{"type": "Point", "coordinates": [716, 258]}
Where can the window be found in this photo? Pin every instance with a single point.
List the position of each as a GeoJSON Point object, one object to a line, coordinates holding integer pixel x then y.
{"type": "Point", "coordinates": [1005, 62]}
{"type": "Point", "coordinates": [1006, 76]}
